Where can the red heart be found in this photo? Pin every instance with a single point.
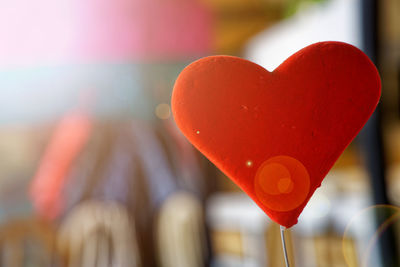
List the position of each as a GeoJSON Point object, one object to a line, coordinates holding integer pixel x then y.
{"type": "Point", "coordinates": [277, 134]}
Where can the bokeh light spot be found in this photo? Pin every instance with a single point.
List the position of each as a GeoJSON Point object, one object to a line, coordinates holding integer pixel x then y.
{"type": "Point", "coordinates": [282, 183]}
{"type": "Point", "coordinates": [363, 224]}
{"type": "Point", "coordinates": [285, 185]}
{"type": "Point", "coordinates": [271, 175]}
{"type": "Point", "coordinates": [163, 111]}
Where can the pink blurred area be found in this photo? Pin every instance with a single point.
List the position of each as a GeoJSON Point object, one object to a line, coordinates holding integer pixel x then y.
{"type": "Point", "coordinates": [80, 31]}
{"type": "Point", "coordinates": [67, 141]}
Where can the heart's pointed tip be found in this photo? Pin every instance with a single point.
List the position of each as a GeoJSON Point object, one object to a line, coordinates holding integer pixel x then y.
{"type": "Point", "coordinates": [288, 225]}
{"type": "Point", "coordinates": [285, 218]}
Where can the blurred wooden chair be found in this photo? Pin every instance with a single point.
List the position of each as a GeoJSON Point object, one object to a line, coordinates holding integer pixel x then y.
{"type": "Point", "coordinates": [180, 232]}
{"type": "Point", "coordinates": [28, 242]}
{"type": "Point", "coordinates": [100, 234]}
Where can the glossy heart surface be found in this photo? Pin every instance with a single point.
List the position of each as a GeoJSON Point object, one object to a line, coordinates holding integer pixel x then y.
{"type": "Point", "coordinates": [277, 134]}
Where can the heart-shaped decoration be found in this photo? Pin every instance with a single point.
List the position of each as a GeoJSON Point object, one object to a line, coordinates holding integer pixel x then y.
{"type": "Point", "coordinates": [277, 134]}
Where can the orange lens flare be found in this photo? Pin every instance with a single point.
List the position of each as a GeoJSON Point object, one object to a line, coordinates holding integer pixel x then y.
{"type": "Point", "coordinates": [282, 183]}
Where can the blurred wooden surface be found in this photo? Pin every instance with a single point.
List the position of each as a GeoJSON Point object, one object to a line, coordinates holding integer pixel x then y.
{"type": "Point", "coordinates": [236, 21]}
{"type": "Point", "coordinates": [27, 241]}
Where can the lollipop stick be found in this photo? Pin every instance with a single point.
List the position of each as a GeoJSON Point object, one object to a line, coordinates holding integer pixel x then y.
{"type": "Point", "coordinates": [284, 246]}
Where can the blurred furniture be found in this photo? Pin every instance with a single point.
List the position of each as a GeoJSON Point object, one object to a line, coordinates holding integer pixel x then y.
{"type": "Point", "coordinates": [241, 233]}
{"type": "Point", "coordinates": [28, 242]}
{"type": "Point", "coordinates": [180, 232]}
{"type": "Point", "coordinates": [100, 234]}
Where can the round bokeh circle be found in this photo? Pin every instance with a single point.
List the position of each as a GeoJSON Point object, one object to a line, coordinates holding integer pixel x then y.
{"type": "Point", "coordinates": [282, 183]}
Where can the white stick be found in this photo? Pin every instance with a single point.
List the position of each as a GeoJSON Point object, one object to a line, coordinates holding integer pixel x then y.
{"type": "Point", "coordinates": [284, 246]}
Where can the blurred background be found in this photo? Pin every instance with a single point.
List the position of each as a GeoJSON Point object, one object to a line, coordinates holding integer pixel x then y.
{"type": "Point", "coordinates": [94, 172]}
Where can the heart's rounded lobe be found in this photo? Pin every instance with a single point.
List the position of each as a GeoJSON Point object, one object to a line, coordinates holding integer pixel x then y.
{"type": "Point", "coordinates": [277, 134]}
